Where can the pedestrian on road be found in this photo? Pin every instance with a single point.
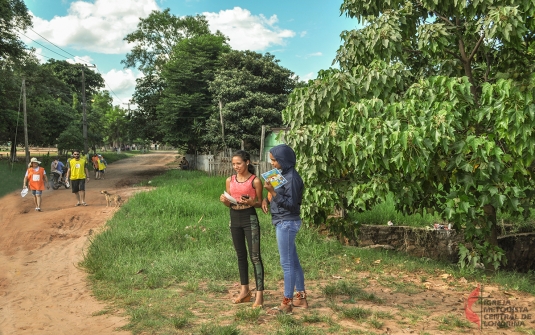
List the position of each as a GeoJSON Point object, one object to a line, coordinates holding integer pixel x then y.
{"type": "Point", "coordinates": [101, 166]}
{"type": "Point", "coordinates": [286, 217]}
{"type": "Point", "coordinates": [246, 189]}
{"type": "Point", "coordinates": [37, 179]}
{"type": "Point", "coordinates": [94, 160]}
{"type": "Point", "coordinates": [78, 174]}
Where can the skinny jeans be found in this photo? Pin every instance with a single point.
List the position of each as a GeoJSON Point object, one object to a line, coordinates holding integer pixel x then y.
{"type": "Point", "coordinates": [294, 277]}
{"type": "Point", "coordinates": [245, 228]}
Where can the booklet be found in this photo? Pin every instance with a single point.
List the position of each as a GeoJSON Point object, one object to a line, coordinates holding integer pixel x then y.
{"type": "Point", "coordinates": [230, 198]}
{"type": "Point", "coordinates": [275, 178]}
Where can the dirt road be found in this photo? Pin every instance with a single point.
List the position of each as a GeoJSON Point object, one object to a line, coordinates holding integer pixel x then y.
{"type": "Point", "coordinates": [42, 290]}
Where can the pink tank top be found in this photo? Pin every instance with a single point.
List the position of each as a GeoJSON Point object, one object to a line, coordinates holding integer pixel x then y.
{"type": "Point", "coordinates": [238, 189]}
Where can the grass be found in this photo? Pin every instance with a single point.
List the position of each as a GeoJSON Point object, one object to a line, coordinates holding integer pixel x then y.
{"type": "Point", "coordinates": [166, 259]}
{"type": "Point", "coordinates": [384, 212]}
{"type": "Point", "coordinates": [12, 174]}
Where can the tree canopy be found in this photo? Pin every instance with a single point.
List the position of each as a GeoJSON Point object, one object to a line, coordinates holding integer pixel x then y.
{"type": "Point", "coordinates": [253, 90]}
{"type": "Point", "coordinates": [13, 16]}
{"type": "Point", "coordinates": [433, 102]}
{"type": "Point", "coordinates": [185, 102]}
{"type": "Point", "coordinates": [188, 71]}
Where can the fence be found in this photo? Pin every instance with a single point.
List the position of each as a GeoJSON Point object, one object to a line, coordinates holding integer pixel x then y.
{"type": "Point", "coordinates": [220, 164]}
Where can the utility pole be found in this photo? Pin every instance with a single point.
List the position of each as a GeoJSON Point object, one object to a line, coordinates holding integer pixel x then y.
{"type": "Point", "coordinates": [25, 122]}
{"type": "Point", "coordinates": [84, 119]}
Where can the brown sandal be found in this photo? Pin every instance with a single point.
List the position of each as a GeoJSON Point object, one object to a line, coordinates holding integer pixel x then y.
{"type": "Point", "coordinates": [247, 298]}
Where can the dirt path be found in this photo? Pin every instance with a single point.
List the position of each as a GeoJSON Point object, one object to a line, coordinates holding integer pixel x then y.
{"type": "Point", "coordinates": [42, 291]}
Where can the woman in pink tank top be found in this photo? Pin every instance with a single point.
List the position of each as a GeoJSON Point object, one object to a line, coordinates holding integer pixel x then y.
{"type": "Point", "coordinates": [246, 189]}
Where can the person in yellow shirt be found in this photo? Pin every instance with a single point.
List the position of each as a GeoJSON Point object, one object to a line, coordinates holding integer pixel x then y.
{"type": "Point", "coordinates": [78, 174]}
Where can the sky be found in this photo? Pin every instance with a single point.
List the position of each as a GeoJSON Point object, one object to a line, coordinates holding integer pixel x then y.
{"type": "Point", "coordinates": [302, 35]}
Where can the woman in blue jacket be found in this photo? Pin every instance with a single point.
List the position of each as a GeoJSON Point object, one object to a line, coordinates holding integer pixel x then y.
{"type": "Point", "coordinates": [285, 204]}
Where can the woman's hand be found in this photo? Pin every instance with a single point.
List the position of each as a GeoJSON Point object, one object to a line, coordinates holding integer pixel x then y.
{"type": "Point", "coordinates": [224, 200]}
{"type": "Point", "coordinates": [268, 186]}
{"type": "Point", "coordinates": [246, 201]}
{"type": "Point", "coordinates": [265, 205]}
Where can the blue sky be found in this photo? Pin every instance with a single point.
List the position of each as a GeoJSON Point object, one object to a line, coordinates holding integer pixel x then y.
{"type": "Point", "coordinates": [303, 35]}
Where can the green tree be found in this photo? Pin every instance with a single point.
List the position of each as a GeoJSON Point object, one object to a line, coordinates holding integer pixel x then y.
{"type": "Point", "coordinates": [71, 74]}
{"type": "Point", "coordinates": [47, 103]}
{"type": "Point", "coordinates": [156, 37]}
{"type": "Point", "coordinates": [13, 16]}
{"type": "Point", "coordinates": [143, 121]}
{"type": "Point", "coordinates": [186, 102]}
{"type": "Point", "coordinates": [433, 102]}
{"type": "Point", "coordinates": [154, 40]}
{"type": "Point", "coordinates": [253, 90]}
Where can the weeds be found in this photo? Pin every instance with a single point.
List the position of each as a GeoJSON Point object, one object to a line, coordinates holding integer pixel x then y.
{"type": "Point", "coordinates": [167, 259]}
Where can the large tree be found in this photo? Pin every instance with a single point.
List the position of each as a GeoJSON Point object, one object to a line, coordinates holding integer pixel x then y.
{"type": "Point", "coordinates": [71, 74]}
{"type": "Point", "coordinates": [252, 89]}
{"type": "Point", "coordinates": [153, 42]}
{"type": "Point", "coordinates": [186, 102]}
{"type": "Point", "coordinates": [433, 102]}
{"type": "Point", "coordinates": [13, 16]}
{"type": "Point", "coordinates": [48, 103]}
{"type": "Point", "coordinates": [157, 35]}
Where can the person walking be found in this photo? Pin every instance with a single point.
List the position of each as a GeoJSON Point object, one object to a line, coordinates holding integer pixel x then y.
{"type": "Point", "coordinates": [36, 178]}
{"type": "Point", "coordinates": [94, 161]}
{"type": "Point", "coordinates": [78, 175]}
{"type": "Point", "coordinates": [246, 189]}
{"type": "Point", "coordinates": [101, 166]}
{"type": "Point", "coordinates": [285, 208]}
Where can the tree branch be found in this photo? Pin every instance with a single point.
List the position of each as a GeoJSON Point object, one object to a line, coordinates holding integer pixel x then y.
{"type": "Point", "coordinates": [444, 18]}
{"type": "Point", "coordinates": [473, 53]}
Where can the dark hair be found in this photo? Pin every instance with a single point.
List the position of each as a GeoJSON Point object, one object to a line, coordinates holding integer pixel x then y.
{"type": "Point", "coordinates": [244, 155]}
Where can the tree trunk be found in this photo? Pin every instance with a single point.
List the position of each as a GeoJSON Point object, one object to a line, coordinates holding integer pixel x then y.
{"type": "Point", "coordinates": [490, 219]}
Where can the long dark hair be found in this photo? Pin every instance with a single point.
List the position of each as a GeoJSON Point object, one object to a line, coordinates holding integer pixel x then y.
{"type": "Point", "coordinates": [244, 155]}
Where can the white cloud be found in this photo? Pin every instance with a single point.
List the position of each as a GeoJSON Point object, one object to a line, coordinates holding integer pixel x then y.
{"type": "Point", "coordinates": [81, 60]}
{"type": "Point", "coordinates": [39, 54]}
{"type": "Point", "coordinates": [247, 31]}
{"type": "Point", "coordinates": [98, 26]}
{"type": "Point", "coordinates": [303, 33]}
{"type": "Point", "coordinates": [308, 76]}
{"type": "Point", "coordinates": [315, 54]}
{"type": "Point", "coordinates": [122, 83]}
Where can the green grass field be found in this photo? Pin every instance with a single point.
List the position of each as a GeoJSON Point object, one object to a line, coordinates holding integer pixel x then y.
{"type": "Point", "coordinates": [166, 258]}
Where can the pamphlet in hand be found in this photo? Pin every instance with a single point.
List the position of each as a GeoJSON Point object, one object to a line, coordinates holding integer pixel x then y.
{"type": "Point", "coordinates": [275, 178]}
{"type": "Point", "coordinates": [230, 198]}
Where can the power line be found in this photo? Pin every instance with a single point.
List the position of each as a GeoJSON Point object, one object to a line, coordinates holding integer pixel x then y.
{"type": "Point", "coordinates": [109, 86]}
{"type": "Point", "coordinates": [43, 46]}
{"type": "Point", "coordinates": [105, 82]}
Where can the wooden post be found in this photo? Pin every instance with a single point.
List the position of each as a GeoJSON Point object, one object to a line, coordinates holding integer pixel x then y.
{"type": "Point", "coordinates": [221, 119]}
{"type": "Point", "coordinates": [25, 122]}
{"type": "Point", "coordinates": [262, 143]}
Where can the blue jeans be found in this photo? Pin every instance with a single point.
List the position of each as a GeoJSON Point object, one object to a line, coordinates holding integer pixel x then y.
{"type": "Point", "coordinates": [293, 273]}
